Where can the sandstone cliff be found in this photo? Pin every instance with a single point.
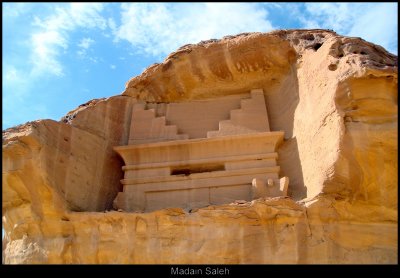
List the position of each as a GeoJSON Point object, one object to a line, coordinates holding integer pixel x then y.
{"type": "Point", "coordinates": [334, 97]}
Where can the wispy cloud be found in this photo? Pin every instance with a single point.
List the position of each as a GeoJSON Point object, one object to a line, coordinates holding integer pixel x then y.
{"type": "Point", "coordinates": [158, 29]}
{"type": "Point", "coordinates": [336, 16]}
{"type": "Point", "coordinates": [15, 9]}
{"type": "Point", "coordinates": [38, 51]}
{"type": "Point", "coordinates": [14, 80]}
{"type": "Point", "coordinates": [84, 45]}
{"type": "Point", "coordinates": [39, 38]}
{"type": "Point", "coordinates": [112, 24]}
{"type": "Point", "coordinates": [11, 75]}
{"type": "Point", "coordinates": [52, 38]}
{"type": "Point", "coordinates": [379, 25]}
{"type": "Point", "coordinates": [45, 51]}
{"type": "Point", "coordinates": [375, 22]}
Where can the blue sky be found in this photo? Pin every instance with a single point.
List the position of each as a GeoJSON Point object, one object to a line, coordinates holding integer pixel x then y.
{"type": "Point", "coordinates": [57, 56]}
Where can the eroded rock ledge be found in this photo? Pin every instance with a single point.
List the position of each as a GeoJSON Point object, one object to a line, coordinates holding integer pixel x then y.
{"type": "Point", "coordinates": [334, 97]}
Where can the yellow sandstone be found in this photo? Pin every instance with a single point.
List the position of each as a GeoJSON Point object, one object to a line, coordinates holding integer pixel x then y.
{"type": "Point", "coordinates": [259, 148]}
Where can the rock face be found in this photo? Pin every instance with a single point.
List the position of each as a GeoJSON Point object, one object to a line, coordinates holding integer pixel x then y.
{"type": "Point", "coordinates": [199, 153]}
{"type": "Point", "coordinates": [334, 97]}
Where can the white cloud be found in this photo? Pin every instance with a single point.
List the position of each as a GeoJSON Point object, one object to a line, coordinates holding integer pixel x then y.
{"type": "Point", "coordinates": [16, 88]}
{"type": "Point", "coordinates": [15, 81]}
{"type": "Point", "coordinates": [159, 29]}
{"type": "Point", "coordinates": [379, 25]}
{"type": "Point", "coordinates": [87, 15]}
{"type": "Point", "coordinates": [113, 67]}
{"type": "Point", "coordinates": [15, 9]}
{"type": "Point", "coordinates": [84, 45]}
{"type": "Point", "coordinates": [45, 51]}
{"type": "Point", "coordinates": [374, 22]}
{"type": "Point", "coordinates": [336, 16]}
{"type": "Point", "coordinates": [35, 51]}
{"type": "Point", "coordinates": [111, 24]}
{"type": "Point", "coordinates": [52, 37]}
{"type": "Point", "coordinates": [11, 75]}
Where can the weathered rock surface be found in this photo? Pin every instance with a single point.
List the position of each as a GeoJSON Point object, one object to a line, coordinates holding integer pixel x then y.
{"type": "Point", "coordinates": [334, 97]}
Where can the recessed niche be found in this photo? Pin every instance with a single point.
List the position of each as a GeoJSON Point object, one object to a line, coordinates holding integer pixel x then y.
{"type": "Point", "coordinates": [194, 169]}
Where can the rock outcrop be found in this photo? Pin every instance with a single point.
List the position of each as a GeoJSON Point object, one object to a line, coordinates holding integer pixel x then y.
{"type": "Point", "coordinates": [334, 97]}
